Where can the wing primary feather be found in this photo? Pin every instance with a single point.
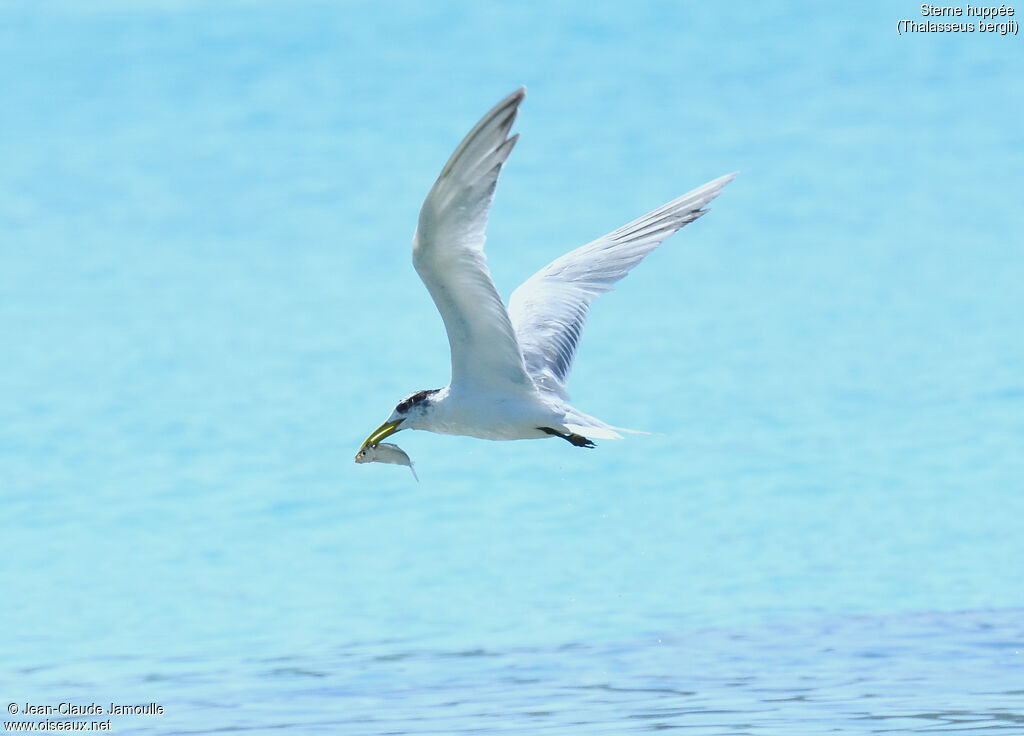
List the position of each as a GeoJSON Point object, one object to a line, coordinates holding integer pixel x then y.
{"type": "Point", "coordinates": [495, 125]}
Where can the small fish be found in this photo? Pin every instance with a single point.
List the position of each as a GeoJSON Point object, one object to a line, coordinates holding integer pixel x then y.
{"type": "Point", "coordinates": [385, 452]}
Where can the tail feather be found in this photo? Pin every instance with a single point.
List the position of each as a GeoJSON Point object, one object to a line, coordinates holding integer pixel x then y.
{"type": "Point", "coordinates": [588, 426]}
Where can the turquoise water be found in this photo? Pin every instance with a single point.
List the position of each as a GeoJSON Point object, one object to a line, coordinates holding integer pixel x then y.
{"type": "Point", "coordinates": [207, 302]}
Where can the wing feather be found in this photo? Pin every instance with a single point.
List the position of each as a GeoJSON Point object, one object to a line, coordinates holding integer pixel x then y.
{"type": "Point", "coordinates": [549, 309]}
{"type": "Point", "coordinates": [448, 254]}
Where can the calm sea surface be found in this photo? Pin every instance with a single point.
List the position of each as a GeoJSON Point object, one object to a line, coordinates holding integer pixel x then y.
{"type": "Point", "coordinates": [207, 302]}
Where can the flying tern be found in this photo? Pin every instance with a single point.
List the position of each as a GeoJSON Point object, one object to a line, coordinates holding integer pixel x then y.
{"type": "Point", "coordinates": [510, 367]}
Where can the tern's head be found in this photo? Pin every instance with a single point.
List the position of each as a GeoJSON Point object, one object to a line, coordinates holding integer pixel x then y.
{"type": "Point", "coordinates": [407, 415]}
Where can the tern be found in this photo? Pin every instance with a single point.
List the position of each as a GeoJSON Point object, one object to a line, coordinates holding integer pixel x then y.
{"type": "Point", "coordinates": [510, 367]}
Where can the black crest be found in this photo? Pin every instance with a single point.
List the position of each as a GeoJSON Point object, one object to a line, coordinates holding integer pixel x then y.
{"type": "Point", "coordinates": [407, 403]}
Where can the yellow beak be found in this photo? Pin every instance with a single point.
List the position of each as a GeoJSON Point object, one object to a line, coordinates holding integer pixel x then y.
{"type": "Point", "coordinates": [385, 430]}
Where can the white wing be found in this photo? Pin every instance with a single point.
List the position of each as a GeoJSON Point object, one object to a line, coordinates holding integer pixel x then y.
{"type": "Point", "coordinates": [448, 253]}
{"type": "Point", "coordinates": [549, 309]}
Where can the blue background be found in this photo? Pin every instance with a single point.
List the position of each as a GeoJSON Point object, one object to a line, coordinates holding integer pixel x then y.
{"type": "Point", "coordinates": [207, 302]}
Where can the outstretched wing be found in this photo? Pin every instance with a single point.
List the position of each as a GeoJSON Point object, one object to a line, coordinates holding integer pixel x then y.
{"type": "Point", "coordinates": [448, 253]}
{"type": "Point", "coordinates": [549, 309]}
